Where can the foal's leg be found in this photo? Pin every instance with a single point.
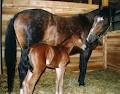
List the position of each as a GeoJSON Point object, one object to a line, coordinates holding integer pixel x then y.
{"type": "Point", "coordinates": [26, 85]}
{"type": "Point", "coordinates": [30, 81]}
{"type": "Point", "coordinates": [59, 80]}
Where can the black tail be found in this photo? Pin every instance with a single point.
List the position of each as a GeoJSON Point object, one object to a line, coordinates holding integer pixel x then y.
{"type": "Point", "coordinates": [10, 54]}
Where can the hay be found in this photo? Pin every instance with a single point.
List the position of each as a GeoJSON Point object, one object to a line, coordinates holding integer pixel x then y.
{"type": "Point", "coordinates": [97, 82]}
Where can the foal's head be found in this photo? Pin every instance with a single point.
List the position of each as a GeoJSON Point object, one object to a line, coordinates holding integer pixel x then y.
{"type": "Point", "coordinates": [74, 40]}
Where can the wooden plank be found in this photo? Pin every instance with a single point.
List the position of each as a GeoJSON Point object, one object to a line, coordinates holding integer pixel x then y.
{"type": "Point", "coordinates": [21, 2]}
{"type": "Point", "coordinates": [61, 12]}
{"type": "Point", "coordinates": [0, 62]}
{"type": "Point", "coordinates": [91, 66]}
{"type": "Point", "coordinates": [96, 60]}
{"type": "Point", "coordinates": [113, 50]}
{"type": "Point", "coordinates": [58, 4]}
{"type": "Point", "coordinates": [56, 7]}
{"type": "Point", "coordinates": [8, 2]}
{"type": "Point", "coordinates": [105, 51]}
{"type": "Point", "coordinates": [89, 1]}
{"type": "Point", "coordinates": [114, 33]}
{"type": "Point", "coordinates": [105, 2]}
{"type": "Point", "coordinates": [6, 17]}
{"type": "Point", "coordinates": [111, 67]}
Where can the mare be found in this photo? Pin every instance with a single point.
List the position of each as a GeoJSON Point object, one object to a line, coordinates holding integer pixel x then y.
{"type": "Point", "coordinates": [42, 56]}
{"type": "Point", "coordinates": [36, 25]}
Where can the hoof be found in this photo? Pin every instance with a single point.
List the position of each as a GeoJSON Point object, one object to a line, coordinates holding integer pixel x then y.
{"type": "Point", "coordinates": [81, 84]}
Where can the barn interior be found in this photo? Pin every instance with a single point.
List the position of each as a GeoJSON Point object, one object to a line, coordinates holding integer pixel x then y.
{"type": "Point", "coordinates": [103, 73]}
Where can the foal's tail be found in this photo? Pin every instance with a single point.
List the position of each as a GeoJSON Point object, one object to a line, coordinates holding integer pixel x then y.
{"type": "Point", "coordinates": [10, 54]}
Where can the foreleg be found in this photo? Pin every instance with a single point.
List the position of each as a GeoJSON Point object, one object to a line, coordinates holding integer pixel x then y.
{"type": "Point", "coordinates": [84, 57]}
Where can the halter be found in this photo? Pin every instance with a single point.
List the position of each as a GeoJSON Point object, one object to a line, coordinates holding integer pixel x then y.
{"type": "Point", "coordinates": [105, 31]}
{"type": "Point", "coordinates": [98, 37]}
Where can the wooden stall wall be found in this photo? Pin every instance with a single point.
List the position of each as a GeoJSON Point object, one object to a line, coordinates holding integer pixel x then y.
{"type": "Point", "coordinates": [11, 7]}
{"type": "Point", "coordinates": [113, 50]}
{"type": "Point", "coordinates": [96, 61]}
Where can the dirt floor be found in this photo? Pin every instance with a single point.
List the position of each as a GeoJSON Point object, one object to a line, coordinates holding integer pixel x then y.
{"type": "Point", "coordinates": [97, 82]}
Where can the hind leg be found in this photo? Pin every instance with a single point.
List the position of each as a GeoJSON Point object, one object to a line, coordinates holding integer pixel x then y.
{"type": "Point", "coordinates": [31, 79]}
{"type": "Point", "coordinates": [59, 80]}
{"type": "Point", "coordinates": [23, 68]}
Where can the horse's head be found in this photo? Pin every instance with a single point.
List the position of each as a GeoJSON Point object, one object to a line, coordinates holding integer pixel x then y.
{"type": "Point", "coordinates": [96, 29]}
{"type": "Point", "coordinates": [97, 25]}
{"type": "Point", "coordinates": [100, 18]}
{"type": "Point", "coordinates": [107, 12]}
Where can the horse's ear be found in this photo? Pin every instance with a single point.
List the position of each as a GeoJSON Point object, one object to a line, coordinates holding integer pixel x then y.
{"type": "Point", "coordinates": [104, 11]}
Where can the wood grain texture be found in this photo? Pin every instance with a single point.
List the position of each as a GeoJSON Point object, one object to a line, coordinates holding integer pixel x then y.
{"type": "Point", "coordinates": [113, 50]}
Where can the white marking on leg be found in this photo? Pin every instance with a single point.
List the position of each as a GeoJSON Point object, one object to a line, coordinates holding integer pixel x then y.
{"type": "Point", "coordinates": [29, 74]}
{"type": "Point", "coordinates": [21, 91]}
{"type": "Point", "coordinates": [59, 80]}
{"type": "Point", "coordinates": [83, 47]}
{"type": "Point", "coordinates": [47, 61]}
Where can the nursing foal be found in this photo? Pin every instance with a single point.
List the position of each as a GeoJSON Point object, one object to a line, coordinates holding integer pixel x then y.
{"type": "Point", "coordinates": [42, 56]}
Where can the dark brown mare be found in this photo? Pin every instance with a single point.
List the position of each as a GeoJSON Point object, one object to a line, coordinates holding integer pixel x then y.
{"type": "Point", "coordinates": [36, 25]}
{"type": "Point", "coordinates": [42, 56]}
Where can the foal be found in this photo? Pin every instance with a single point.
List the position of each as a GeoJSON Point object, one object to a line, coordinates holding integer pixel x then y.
{"type": "Point", "coordinates": [42, 56]}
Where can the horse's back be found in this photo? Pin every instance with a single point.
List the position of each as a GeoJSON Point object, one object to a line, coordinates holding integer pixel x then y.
{"type": "Point", "coordinates": [30, 25]}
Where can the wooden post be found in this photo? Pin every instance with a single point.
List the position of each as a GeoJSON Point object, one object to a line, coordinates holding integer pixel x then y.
{"type": "Point", "coordinates": [0, 62]}
{"type": "Point", "coordinates": [105, 50]}
{"type": "Point", "coordinates": [105, 2]}
{"type": "Point", "coordinates": [89, 1]}
{"type": "Point", "coordinates": [0, 46]}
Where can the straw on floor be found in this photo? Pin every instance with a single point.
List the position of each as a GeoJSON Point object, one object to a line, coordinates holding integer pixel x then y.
{"type": "Point", "coordinates": [97, 82]}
